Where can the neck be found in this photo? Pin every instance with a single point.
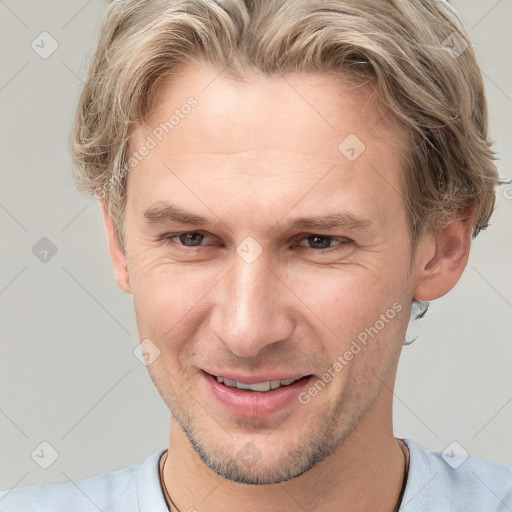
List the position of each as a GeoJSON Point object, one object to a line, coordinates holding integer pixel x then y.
{"type": "Point", "coordinates": [365, 473]}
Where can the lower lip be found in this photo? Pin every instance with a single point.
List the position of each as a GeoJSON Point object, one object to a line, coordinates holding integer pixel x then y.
{"type": "Point", "coordinates": [254, 404]}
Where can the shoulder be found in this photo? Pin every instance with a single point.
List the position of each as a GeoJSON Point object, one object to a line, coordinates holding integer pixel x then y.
{"type": "Point", "coordinates": [447, 481]}
{"type": "Point", "coordinates": [117, 491]}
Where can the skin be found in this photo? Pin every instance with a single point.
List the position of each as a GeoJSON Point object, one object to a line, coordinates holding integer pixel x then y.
{"type": "Point", "coordinates": [251, 158]}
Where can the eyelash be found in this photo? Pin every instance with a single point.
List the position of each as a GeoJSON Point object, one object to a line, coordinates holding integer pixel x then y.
{"type": "Point", "coordinates": [171, 238]}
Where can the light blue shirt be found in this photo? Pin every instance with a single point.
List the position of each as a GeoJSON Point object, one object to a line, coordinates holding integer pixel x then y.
{"type": "Point", "coordinates": [433, 485]}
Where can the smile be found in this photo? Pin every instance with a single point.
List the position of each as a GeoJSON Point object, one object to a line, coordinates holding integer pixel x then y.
{"type": "Point", "coordinates": [265, 396]}
{"type": "Point", "coordinates": [257, 386]}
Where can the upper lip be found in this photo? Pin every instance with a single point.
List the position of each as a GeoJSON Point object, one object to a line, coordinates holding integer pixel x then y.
{"type": "Point", "coordinates": [254, 378]}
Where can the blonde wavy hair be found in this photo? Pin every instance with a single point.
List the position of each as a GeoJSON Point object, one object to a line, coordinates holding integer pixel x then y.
{"type": "Point", "coordinates": [416, 53]}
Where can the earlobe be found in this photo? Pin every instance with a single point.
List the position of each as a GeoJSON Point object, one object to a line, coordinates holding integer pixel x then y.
{"type": "Point", "coordinates": [117, 255]}
{"type": "Point", "coordinates": [441, 261]}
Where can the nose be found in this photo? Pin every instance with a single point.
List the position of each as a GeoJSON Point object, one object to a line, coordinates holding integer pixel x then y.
{"type": "Point", "coordinates": [250, 308]}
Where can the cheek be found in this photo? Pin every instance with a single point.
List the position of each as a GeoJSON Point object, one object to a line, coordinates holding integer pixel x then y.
{"type": "Point", "coordinates": [339, 297]}
{"type": "Point", "coordinates": [348, 304]}
{"type": "Point", "coordinates": [168, 297]}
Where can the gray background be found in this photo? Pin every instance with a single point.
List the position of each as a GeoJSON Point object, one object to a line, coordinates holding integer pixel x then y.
{"type": "Point", "coordinates": [68, 373]}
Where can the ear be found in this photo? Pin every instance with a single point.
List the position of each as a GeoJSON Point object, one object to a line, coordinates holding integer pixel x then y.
{"type": "Point", "coordinates": [117, 255]}
{"type": "Point", "coordinates": [441, 259]}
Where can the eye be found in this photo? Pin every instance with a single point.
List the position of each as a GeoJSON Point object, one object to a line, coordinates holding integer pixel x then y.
{"type": "Point", "coordinates": [199, 239]}
{"type": "Point", "coordinates": [187, 239]}
{"type": "Point", "coordinates": [323, 241]}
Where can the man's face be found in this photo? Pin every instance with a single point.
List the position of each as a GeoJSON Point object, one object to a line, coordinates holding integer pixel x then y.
{"type": "Point", "coordinates": [274, 279]}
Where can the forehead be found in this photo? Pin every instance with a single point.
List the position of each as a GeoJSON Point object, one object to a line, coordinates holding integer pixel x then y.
{"type": "Point", "coordinates": [258, 140]}
{"type": "Point", "coordinates": [255, 109]}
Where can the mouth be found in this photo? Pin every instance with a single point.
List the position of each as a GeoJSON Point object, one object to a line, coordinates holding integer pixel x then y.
{"type": "Point", "coordinates": [261, 387]}
{"type": "Point", "coordinates": [260, 398]}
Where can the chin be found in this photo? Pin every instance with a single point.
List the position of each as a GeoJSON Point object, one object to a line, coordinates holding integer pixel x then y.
{"type": "Point", "coordinates": [263, 461]}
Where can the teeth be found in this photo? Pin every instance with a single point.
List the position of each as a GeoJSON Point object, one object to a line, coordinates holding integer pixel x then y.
{"type": "Point", "coordinates": [229, 382]}
{"type": "Point", "coordinates": [257, 386]}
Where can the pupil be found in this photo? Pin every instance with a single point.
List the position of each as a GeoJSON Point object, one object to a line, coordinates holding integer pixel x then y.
{"type": "Point", "coordinates": [191, 239]}
{"type": "Point", "coordinates": [319, 242]}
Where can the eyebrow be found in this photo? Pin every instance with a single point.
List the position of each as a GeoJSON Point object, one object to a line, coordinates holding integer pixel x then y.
{"type": "Point", "coordinates": [335, 220]}
{"type": "Point", "coordinates": [171, 213]}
